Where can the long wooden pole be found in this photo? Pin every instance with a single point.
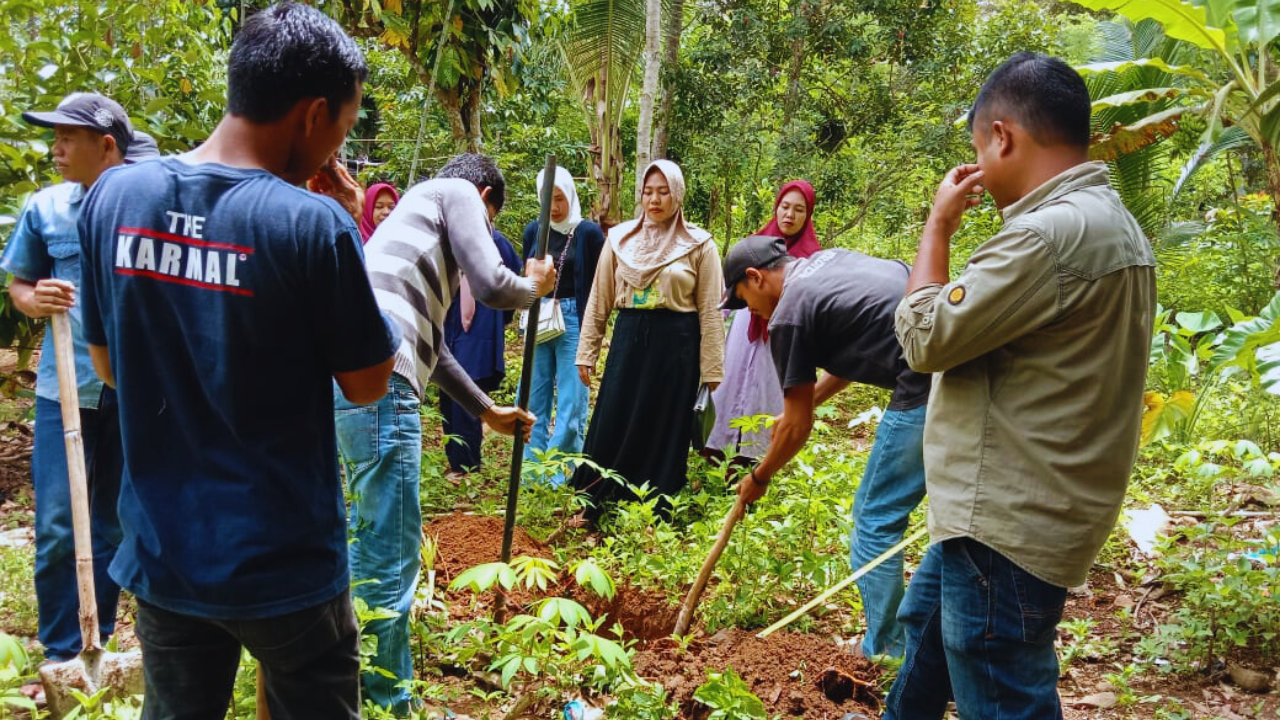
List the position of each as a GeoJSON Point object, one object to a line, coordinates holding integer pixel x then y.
{"type": "Point", "coordinates": [880, 559]}
{"type": "Point", "coordinates": [695, 593]}
{"type": "Point", "coordinates": [526, 373]}
{"type": "Point", "coordinates": [69, 397]}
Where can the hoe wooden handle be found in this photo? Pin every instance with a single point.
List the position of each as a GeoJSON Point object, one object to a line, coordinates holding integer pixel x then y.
{"type": "Point", "coordinates": [695, 592]}
{"type": "Point", "coordinates": [69, 397]}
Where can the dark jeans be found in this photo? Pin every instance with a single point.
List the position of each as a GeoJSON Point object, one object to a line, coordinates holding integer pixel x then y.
{"type": "Point", "coordinates": [463, 431]}
{"type": "Point", "coordinates": [310, 662]}
{"type": "Point", "coordinates": [980, 630]}
{"type": "Point", "coordinates": [55, 574]}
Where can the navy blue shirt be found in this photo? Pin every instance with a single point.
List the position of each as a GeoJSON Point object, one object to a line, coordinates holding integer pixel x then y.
{"type": "Point", "coordinates": [480, 350]}
{"type": "Point", "coordinates": [227, 300]}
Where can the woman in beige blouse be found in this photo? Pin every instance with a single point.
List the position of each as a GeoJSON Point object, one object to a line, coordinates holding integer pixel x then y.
{"type": "Point", "coordinates": [663, 276]}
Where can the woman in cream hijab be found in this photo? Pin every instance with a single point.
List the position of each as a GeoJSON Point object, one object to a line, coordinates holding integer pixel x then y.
{"type": "Point", "coordinates": [663, 276]}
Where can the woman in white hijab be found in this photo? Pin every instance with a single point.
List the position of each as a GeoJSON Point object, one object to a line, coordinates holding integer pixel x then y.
{"type": "Point", "coordinates": [663, 276]}
{"type": "Point", "coordinates": [575, 246]}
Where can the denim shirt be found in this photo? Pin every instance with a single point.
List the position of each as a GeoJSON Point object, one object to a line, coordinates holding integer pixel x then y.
{"type": "Point", "coordinates": [46, 244]}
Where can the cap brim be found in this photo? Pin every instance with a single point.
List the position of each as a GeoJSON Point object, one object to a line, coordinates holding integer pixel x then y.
{"type": "Point", "coordinates": [52, 118]}
{"type": "Point", "coordinates": [729, 301]}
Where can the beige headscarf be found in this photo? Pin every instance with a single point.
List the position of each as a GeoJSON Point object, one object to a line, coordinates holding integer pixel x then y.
{"type": "Point", "coordinates": [644, 247]}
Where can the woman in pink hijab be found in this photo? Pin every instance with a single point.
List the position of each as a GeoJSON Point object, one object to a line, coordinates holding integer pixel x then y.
{"type": "Point", "coordinates": [379, 200]}
{"type": "Point", "coordinates": [750, 381]}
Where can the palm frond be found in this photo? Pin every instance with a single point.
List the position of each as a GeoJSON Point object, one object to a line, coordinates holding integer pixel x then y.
{"type": "Point", "coordinates": [607, 37]}
{"type": "Point", "coordinates": [1137, 171]}
{"type": "Point", "coordinates": [1232, 138]}
{"type": "Point", "coordinates": [1115, 42]}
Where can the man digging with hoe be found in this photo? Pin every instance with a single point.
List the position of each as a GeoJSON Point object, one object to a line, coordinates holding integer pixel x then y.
{"type": "Point", "coordinates": [834, 311]}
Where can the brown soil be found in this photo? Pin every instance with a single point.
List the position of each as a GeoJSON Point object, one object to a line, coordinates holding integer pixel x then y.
{"type": "Point", "coordinates": [645, 615]}
{"type": "Point", "coordinates": [1205, 695]}
{"type": "Point", "coordinates": [795, 674]}
{"type": "Point", "coordinates": [464, 541]}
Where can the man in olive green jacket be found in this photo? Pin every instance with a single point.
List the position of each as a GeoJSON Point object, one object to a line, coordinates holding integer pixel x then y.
{"type": "Point", "coordinates": [1040, 346]}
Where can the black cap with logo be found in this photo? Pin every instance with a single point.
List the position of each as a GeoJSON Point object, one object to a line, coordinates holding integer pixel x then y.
{"type": "Point", "coordinates": [756, 251]}
{"type": "Point", "coordinates": [90, 110]}
{"type": "Point", "coordinates": [142, 147]}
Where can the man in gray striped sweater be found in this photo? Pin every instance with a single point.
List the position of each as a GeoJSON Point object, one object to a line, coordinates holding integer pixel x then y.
{"type": "Point", "coordinates": [439, 228]}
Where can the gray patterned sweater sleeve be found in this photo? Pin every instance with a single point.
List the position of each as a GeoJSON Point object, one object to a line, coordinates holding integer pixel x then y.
{"type": "Point", "coordinates": [471, 243]}
{"type": "Point", "coordinates": [413, 259]}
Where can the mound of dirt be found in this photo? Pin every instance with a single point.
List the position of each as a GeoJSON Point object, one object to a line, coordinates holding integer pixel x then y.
{"type": "Point", "coordinates": [464, 541]}
{"type": "Point", "coordinates": [645, 615]}
{"type": "Point", "coordinates": [795, 674]}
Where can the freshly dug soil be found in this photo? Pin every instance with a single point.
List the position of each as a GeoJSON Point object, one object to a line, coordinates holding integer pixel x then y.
{"type": "Point", "coordinates": [464, 541]}
{"type": "Point", "coordinates": [645, 615]}
{"type": "Point", "coordinates": [795, 674]}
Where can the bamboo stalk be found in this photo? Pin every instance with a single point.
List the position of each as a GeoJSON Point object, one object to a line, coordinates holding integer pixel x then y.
{"type": "Point", "coordinates": [69, 398]}
{"type": "Point", "coordinates": [843, 583]}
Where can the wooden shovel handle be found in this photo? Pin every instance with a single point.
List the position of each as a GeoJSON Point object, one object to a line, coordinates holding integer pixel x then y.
{"type": "Point", "coordinates": [69, 398]}
{"type": "Point", "coordinates": [695, 592]}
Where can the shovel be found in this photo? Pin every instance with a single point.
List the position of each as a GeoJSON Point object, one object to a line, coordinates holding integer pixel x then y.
{"type": "Point", "coordinates": [93, 669]}
{"type": "Point", "coordinates": [695, 593]}
{"type": "Point", "coordinates": [526, 382]}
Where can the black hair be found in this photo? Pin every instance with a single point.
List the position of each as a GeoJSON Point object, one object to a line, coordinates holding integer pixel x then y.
{"type": "Point", "coordinates": [287, 53]}
{"type": "Point", "coordinates": [1042, 94]}
{"type": "Point", "coordinates": [481, 171]}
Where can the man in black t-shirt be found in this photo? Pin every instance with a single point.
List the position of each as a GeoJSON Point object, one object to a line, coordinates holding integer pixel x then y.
{"type": "Point", "coordinates": [834, 311]}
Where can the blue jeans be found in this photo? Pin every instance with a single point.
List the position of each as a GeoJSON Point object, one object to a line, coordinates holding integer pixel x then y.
{"type": "Point", "coordinates": [891, 487]}
{"type": "Point", "coordinates": [55, 573]}
{"type": "Point", "coordinates": [310, 662]}
{"type": "Point", "coordinates": [980, 630]}
{"type": "Point", "coordinates": [381, 448]}
{"type": "Point", "coordinates": [555, 377]}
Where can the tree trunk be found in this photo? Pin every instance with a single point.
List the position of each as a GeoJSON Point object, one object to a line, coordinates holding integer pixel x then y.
{"type": "Point", "coordinates": [474, 136]}
{"type": "Point", "coordinates": [462, 107]}
{"type": "Point", "coordinates": [1273, 186]}
{"type": "Point", "coordinates": [606, 149]}
{"type": "Point", "coordinates": [648, 89]}
{"type": "Point", "coordinates": [451, 101]}
{"type": "Point", "coordinates": [670, 61]}
{"type": "Point", "coordinates": [728, 213]}
{"type": "Point", "coordinates": [794, 76]}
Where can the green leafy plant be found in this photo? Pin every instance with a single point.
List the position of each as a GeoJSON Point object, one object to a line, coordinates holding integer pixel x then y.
{"type": "Point", "coordinates": [550, 652]}
{"type": "Point", "coordinates": [1229, 589]}
{"type": "Point", "coordinates": [1188, 347]}
{"type": "Point", "coordinates": [1239, 88]}
{"type": "Point", "coordinates": [1081, 643]}
{"type": "Point", "coordinates": [729, 697]}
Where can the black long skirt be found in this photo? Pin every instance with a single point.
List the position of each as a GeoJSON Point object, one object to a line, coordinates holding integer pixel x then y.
{"type": "Point", "coordinates": [643, 419]}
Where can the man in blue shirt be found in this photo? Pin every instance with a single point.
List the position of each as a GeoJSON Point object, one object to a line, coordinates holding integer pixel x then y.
{"type": "Point", "coordinates": [91, 134]}
{"type": "Point", "coordinates": [223, 301]}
